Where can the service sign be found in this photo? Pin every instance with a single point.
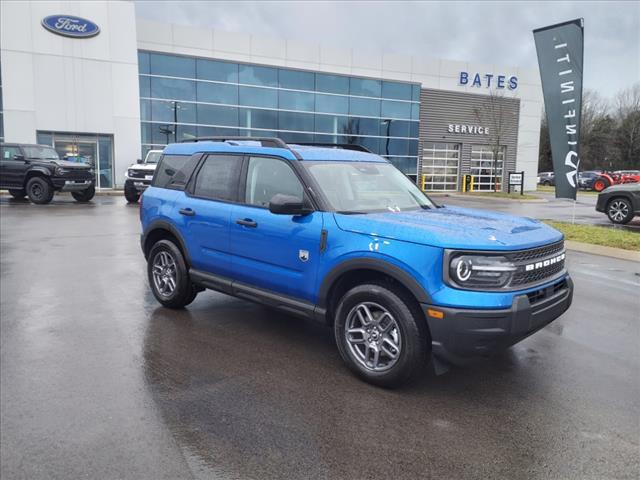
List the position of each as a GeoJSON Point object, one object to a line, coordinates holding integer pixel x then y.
{"type": "Point", "coordinates": [70, 26]}
{"type": "Point", "coordinates": [515, 178]}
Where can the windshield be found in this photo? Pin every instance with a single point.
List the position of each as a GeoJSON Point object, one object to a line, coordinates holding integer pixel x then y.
{"type": "Point", "coordinates": [359, 187]}
{"type": "Point", "coordinates": [153, 157]}
{"type": "Point", "coordinates": [41, 153]}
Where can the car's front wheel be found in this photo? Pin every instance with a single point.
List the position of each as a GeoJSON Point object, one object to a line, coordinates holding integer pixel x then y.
{"type": "Point", "coordinates": [381, 334]}
{"type": "Point", "coordinates": [131, 194]}
{"type": "Point", "coordinates": [84, 195]}
{"type": "Point", "coordinates": [18, 194]}
{"type": "Point", "coordinates": [39, 190]}
{"type": "Point", "coordinates": [619, 210]}
{"type": "Point", "coordinates": [168, 276]}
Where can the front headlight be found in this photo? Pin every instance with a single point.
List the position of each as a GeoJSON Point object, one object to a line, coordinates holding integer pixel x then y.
{"type": "Point", "coordinates": [479, 271]}
{"type": "Point", "coordinates": [130, 172]}
{"type": "Point", "coordinates": [61, 171]}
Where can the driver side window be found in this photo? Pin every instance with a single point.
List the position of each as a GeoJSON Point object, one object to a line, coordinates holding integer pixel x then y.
{"type": "Point", "coordinates": [267, 177]}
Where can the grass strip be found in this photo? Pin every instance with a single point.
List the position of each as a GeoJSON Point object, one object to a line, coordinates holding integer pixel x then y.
{"type": "Point", "coordinates": [613, 236]}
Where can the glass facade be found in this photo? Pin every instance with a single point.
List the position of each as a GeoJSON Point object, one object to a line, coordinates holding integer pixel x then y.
{"type": "Point", "coordinates": [186, 97]}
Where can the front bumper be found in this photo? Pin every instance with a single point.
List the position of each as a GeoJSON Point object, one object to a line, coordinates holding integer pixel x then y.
{"type": "Point", "coordinates": [64, 185]}
{"type": "Point", "coordinates": [465, 333]}
{"type": "Point", "coordinates": [137, 184]}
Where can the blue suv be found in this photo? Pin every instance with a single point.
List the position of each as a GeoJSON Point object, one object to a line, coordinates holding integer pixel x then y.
{"type": "Point", "coordinates": [339, 235]}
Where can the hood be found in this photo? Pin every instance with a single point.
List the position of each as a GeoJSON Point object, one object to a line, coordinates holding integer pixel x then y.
{"type": "Point", "coordinates": [625, 187]}
{"type": "Point", "coordinates": [453, 227]}
{"type": "Point", "coordinates": [67, 164]}
{"type": "Point", "coordinates": [144, 167]}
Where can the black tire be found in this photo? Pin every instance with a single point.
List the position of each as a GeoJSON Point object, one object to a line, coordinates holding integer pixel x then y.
{"type": "Point", "coordinates": [131, 194]}
{"type": "Point", "coordinates": [84, 195]}
{"type": "Point", "coordinates": [414, 341]}
{"type": "Point", "coordinates": [619, 210]}
{"type": "Point", "coordinates": [39, 190]}
{"type": "Point", "coordinates": [17, 194]}
{"type": "Point", "coordinates": [183, 292]}
{"type": "Point", "coordinates": [546, 183]}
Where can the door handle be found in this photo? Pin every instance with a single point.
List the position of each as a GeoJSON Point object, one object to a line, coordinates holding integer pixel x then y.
{"type": "Point", "coordinates": [187, 211]}
{"type": "Point", "coordinates": [247, 222]}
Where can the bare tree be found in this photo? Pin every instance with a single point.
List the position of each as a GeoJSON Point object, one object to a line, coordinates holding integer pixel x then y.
{"type": "Point", "coordinates": [627, 113]}
{"type": "Point", "coordinates": [494, 114]}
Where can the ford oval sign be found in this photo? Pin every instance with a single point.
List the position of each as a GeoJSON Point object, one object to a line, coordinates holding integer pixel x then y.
{"type": "Point", "coordinates": [70, 26]}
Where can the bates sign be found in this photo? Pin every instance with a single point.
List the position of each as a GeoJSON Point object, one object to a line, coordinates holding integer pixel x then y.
{"type": "Point", "coordinates": [70, 26]}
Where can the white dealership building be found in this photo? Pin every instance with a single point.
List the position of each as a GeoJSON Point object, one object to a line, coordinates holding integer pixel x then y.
{"type": "Point", "coordinates": [101, 85]}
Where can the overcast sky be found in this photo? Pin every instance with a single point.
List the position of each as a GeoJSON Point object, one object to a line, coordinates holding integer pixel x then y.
{"type": "Point", "coordinates": [487, 32]}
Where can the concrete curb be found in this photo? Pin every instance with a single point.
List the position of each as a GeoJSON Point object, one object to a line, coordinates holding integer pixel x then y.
{"type": "Point", "coordinates": [632, 255]}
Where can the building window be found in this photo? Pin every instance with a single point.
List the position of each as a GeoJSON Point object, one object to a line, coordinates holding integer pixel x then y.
{"type": "Point", "coordinates": [440, 165]}
{"type": "Point", "coordinates": [183, 96]}
{"type": "Point", "coordinates": [486, 167]}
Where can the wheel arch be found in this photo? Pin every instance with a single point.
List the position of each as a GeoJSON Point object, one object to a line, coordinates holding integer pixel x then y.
{"type": "Point", "coordinates": [36, 172]}
{"type": "Point", "coordinates": [163, 230]}
{"type": "Point", "coordinates": [353, 271]}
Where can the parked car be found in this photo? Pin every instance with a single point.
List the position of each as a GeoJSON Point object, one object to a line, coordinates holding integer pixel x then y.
{"type": "Point", "coordinates": [546, 179]}
{"type": "Point", "coordinates": [586, 179]}
{"type": "Point", "coordinates": [619, 177]}
{"type": "Point", "coordinates": [37, 172]}
{"type": "Point", "coordinates": [620, 202]}
{"type": "Point", "coordinates": [343, 237]}
{"type": "Point", "coordinates": [139, 175]}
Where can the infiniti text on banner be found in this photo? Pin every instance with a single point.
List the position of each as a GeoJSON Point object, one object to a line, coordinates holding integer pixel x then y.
{"type": "Point", "coordinates": [560, 55]}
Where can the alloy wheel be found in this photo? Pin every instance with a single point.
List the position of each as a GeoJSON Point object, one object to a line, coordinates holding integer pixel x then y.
{"type": "Point", "coordinates": [164, 273]}
{"type": "Point", "coordinates": [618, 211]}
{"type": "Point", "coordinates": [373, 336]}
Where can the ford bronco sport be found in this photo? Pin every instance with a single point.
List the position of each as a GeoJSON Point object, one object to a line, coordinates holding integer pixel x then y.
{"type": "Point", "coordinates": [341, 236]}
{"type": "Point", "coordinates": [37, 172]}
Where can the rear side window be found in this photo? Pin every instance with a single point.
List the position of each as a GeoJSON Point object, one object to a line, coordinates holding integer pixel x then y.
{"type": "Point", "coordinates": [7, 152]}
{"type": "Point", "coordinates": [173, 171]}
{"type": "Point", "coordinates": [218, 177]}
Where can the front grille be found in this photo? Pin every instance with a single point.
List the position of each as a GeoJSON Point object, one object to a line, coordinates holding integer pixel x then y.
{"type": "Point", "coordinates": [523, 278]}
{"type": "Point", "coordinates": [137, 174]}
{"type": "Point", "coordinates": [538, 252]}
{"type": "Point", "coordinates": [537, 264]}
{"type": "Point", "coordinates": [77, 175]}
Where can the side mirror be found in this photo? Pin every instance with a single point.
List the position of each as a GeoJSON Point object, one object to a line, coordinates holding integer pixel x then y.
{"type": "Point", "coordinates": [288, 205]}
{"type": "Point", "coordinates": [18, 156]}
{"type": "Point", "coordinates": [139, 160]}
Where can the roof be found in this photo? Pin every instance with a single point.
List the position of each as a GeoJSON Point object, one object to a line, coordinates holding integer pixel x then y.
{"type": "Point", "coordinates": [293, 152]}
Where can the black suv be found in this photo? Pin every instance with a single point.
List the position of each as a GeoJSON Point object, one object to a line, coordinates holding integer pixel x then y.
{"type": "Point", "coordinates": [38, 172]}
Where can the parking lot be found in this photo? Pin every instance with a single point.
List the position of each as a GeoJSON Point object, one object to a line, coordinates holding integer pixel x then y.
{"type": "Point", "coordinates": [98, 381]}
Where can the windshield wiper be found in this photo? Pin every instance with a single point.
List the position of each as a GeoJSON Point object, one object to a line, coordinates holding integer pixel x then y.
{"type": "Point", "coordinates": [351, 212]}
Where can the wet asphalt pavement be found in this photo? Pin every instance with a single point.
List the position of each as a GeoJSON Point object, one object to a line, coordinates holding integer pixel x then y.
{"type": "Point", "coordinates": [97, 381]}
{"type": "Point", "coordinates": [562, 210]}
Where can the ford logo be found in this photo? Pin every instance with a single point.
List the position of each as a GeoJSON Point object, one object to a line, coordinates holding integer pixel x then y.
{"type": "Point", "coordinates": [70, 26]}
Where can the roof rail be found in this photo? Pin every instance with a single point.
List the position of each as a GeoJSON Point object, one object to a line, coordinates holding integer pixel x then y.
{"type": "Point", "coordinates": [343, 146]}
{"type": "Point", "coordinates": [264, 141]}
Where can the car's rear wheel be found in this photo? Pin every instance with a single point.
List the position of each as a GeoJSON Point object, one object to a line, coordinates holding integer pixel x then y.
{"type": "Point", "coordinates": [600, 184]}
{"type": "Point", "coordinates": [168, 276]}
{"type": "Point", "coordinates": [380, 334]}
{"type": "Point", "coordinates": [620, 210]}
{"type": "Point", "coordinates": [84, 195]}
{"type": "Point", "coordinates": [39, 190]}
{"type": "Point", "coordinates": [131, 194]}
{"type": "Point", "coordinates": [17, 194]}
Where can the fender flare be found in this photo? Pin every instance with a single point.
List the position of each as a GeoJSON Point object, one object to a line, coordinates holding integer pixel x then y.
{"type": "Point", "coordinates": [165, 225]}
{"type": "Point", "coordinates": [393, 271]}
{"type": "Point", "coordinates": [37, 171]}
